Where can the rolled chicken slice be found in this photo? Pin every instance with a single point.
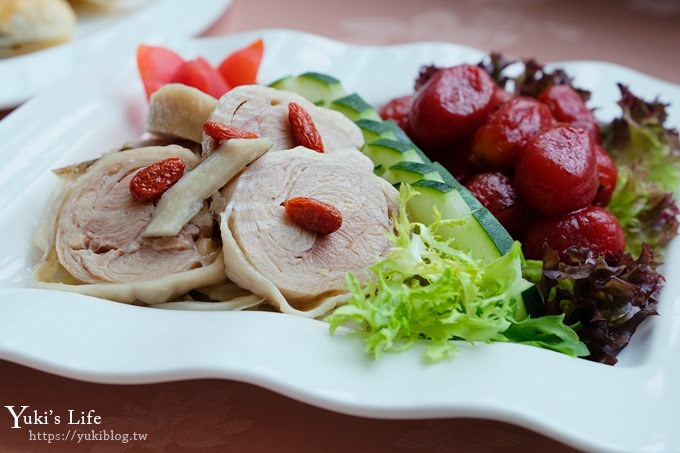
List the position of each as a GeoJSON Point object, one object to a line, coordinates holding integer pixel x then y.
{"type": "Point", "coordinates": [296, 270]}
{"type": "Point", "coordinates": [264, 110]}
{"type": "Point", "coordinates": [151, 292]}
{"type": "Point", "coordinates": [98, 234]}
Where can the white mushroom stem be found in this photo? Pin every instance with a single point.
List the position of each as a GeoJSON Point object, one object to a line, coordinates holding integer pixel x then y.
{"type": "Point", "coordinates": [184, 199]}
{"type": "Point", "coordinates": [179, 111]}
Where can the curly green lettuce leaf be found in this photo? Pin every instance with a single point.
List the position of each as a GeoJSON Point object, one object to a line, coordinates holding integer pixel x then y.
{"type": "Point", "coordinates": [547, 332]}
{"type": "Point", "coordinates": [647, 213]}
{"type": "Point", "coordinates": [648, 160]}
{"type": "Point", "coordinates": [640, 137]}
{"type": "Point", "coordinates": [425, 289]}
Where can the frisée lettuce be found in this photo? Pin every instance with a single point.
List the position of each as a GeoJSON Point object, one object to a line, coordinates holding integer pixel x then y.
{"type": "Point", "coordinates": [426, 290]}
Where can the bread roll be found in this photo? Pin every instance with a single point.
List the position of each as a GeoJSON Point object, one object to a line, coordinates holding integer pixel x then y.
{"type": "Point", "coordinates": [28, 25]}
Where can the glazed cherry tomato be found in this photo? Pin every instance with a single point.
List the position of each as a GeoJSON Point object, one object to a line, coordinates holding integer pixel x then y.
{"type": "Point", "coordinates": [592, 227]}
{"type": "Point", "coordinates": [498, 142]}
{"type": "Point", "coordinates": [457, 161]}
{"type": "Point", "coordinates": [557, 171]}
{"type": "Point", "coordinates": [606, 175]}
{"type": "Point", "coordinates": [498, 194]}
{"type": "Point", "coordinates": [567, 106]}
{"type": "Point", "coordinates": [157, 66]}
{"type": "Point", "coordinates": [500, 96]}
{"type": "Point", "coordinates": [200, 74]}
{"type": "Point", "coordinates": [240, 68]}
{"type": "Point", "coordinates": [450, 106]}
{"type": "Point", "coordinates": [397, 110]}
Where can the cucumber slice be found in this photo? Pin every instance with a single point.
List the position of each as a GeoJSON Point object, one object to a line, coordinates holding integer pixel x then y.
{"type": "Point", "coordinates": [377, 129]}
{"type": "Point", "coordinates": [374, 129]}
{"type": "Point", "coordinates": [467, 233]}
{"type": "Point", "coordinates": [385, 153]}
{"type": "Point", "coordinates": [500, 235]}
{"type": "Point", "coordinates": [316, 87]}
{"type": "Point", "coordinates": [411, 172]}
{"type": "Point", "coordinates": [399, 133]}
{"type": "Point", "coordinates": [354, 107]}
{"type": "Point", "coordinates": [533, 302]}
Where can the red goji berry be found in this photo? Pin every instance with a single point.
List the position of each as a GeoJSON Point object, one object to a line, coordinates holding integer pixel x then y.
{"type": "Point", "coordinates": [149, 183]}
{"type": "Point", "coordinates": [304, 130]}
{"type": "Point", "coordinates": [220, 131]}
{"type": "Point", "coordinates": [313, 215]}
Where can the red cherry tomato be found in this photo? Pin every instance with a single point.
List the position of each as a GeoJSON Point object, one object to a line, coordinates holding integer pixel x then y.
{"type": "Point", "coordinates": [592, 227]}
{"type": "Point", "coordinates": [497, 143]}
{"type": "Point", "coordinates": [457, 161]}
{"type": "Point", "coordinates": [157, 66]}
{"type": "Point", "coordinates": [200, 74]}
{"type": "Point", "coordinates": [500, 96]}
{"type": "Point", "coordinates": [557, 171]}
{"type": "Point", "coordinates": [453, 103]}
{"type": "Point", "coordinates": [240, 68]}
{"type": "Point", "coordinates": [498, 194]}
{"type": "Point", "coordinates": [607, 174]}
{"type": "Point", "coordinates": [397, 110]}
{"type": "Point", "coordinates": [567, 106]}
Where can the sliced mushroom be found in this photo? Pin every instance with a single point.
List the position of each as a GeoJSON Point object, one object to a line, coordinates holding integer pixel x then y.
{"type": "Point", "coordinates": [183, 200]}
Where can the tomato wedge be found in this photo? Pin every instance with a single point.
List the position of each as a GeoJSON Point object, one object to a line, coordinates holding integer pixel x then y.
{"type": "Point", "coordinates": [240, 68]}
{"type": "Point", "coordinates": [157, 66]}
{"type": "Point", "coordinates": [200, 74]}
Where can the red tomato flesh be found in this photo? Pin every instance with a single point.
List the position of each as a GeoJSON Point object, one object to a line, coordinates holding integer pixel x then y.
{"type": "Point", "coordinates": [200, 74]}
{"type": "Point", "coordinates": [240, 68]}
{"type": "Point", "coordinates": [500, 96]}
{"type": "Point", "coordinates": [451, 105]}
{"type": "Point", "coordinates": [593, 227]}
{"type": "Point", "coordinates": [607, 173]}
{"type": "Point", "coordinates": [557, 171]}
{"type": "Point", "coordinates": [499, 141]}
{"type": "Point", "coordinates": [157, 66]}
{"type": "Point", "coordinates": [498, 194]}
{"type": "Point", "coordinates": [397, 110]}
{"type": "Point", "coordinates": [567, 106]}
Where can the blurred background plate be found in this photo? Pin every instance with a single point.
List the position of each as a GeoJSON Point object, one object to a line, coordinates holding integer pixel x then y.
{"type": "Point", "coordinates": [24, 76]}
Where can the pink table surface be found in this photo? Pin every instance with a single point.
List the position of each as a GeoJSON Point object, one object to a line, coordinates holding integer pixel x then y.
{"type": "Point", "coordinates": [217, 415]}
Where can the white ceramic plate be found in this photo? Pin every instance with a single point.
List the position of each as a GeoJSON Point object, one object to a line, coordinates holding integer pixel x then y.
{"type": "Point", "coordinates": [630, 407]}
{"type": "Point", "coordinates": [23, 76]}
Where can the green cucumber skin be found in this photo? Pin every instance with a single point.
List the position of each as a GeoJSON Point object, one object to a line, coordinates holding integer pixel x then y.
{"type": "Point", "coordinates": [498, 233]}
{"type": "Point", "coordinates": [313, 86]}
{"type": "Point", "coordinates": [374, 129]}
{"type": "Point", "coordinates": [324, 79]}
{"type": "Point", "coordinates": [466, 232]}
{"type": "Point", "coordinates": [354, 107]}
{"type": "Point", "coordinates": [385, 152]}
{"type": "Point", "coordinates": [410, 172]}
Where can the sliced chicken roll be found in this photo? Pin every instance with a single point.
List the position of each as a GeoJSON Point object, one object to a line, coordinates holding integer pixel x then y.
{"type": "Point", "coordinates": [264, 110]}
{"type": "Point", "coordinates": [98, 235]}
{"type": "Point", "coordinates": [296, 270]}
